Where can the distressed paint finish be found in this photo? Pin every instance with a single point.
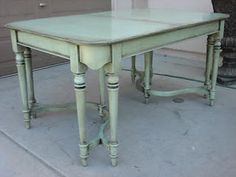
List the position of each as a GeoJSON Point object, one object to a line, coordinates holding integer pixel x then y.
{"type": "Point", "coordinates": [98, 42]}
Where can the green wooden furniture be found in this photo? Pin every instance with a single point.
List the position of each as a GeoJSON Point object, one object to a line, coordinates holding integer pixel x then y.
{"type": "Point", "coordinates": [99, 41]}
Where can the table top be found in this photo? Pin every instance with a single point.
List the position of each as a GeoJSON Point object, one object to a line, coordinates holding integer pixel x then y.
{"type": "Point", "coordinates": [114, 26]}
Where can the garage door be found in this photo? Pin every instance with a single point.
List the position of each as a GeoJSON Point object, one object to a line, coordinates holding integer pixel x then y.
{"type": "Point", "coordinates": [14, 10]}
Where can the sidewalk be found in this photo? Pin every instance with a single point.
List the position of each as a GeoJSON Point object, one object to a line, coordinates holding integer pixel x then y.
{"type": "Point", "coordinates": [161, 139]}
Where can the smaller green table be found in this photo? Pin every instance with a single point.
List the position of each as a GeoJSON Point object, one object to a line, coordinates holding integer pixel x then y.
{"type": "Point", "coordinates": [100, 41]}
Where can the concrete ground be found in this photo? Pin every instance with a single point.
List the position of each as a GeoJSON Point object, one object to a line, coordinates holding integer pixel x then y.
{"type": "Point", "coordinates": [161, 139]}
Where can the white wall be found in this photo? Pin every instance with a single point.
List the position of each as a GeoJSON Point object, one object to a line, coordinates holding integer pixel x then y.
{"type": "Point", "coordinates": [197, 5]}
{"type": "Point", "coordinates": [121, 4]}
{"type": "Point", "coordinates": [126, 4]}
{"type": "Point", "coordinates": [192, 45]}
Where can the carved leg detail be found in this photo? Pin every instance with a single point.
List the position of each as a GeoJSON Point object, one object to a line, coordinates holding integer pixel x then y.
{"type": "Point", "coordinates": [80, 86]}
{"type": "Point", "coordinates": [30, 81]}
{"type": "Point", "coordinates": [113, 88]}
{"type": "Point", "coordinates": [114, 153]}
{"type": "Point", "coordinates": [147, 71]}
{"type": "Point", "coordinates": [216, 57]}
{"type": "Point", "coordinates": [20, 63]}
{"type": "Point", "coordinates": [133, 68]}
{"type": "Point", "coordinates": [84, 153]}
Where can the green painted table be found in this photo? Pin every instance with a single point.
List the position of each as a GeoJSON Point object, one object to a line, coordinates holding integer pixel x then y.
{"type": "Point", "coordinates": [99, 41]}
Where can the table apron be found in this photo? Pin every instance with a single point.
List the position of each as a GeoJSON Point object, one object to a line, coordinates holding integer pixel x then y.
{"type": "Point", "coordinates": [88, 53]}
{"type": "Point", "coordinates": [148, 43]}
{"type": "Point", "coordinates": [94, 56]}
{"type": "Point", "coordinates": [45, 44]}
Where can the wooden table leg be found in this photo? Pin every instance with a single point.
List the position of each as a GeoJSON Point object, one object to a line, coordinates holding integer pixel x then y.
{"type": "Point", "coordinates": [80, 86]}
{"type": "Point", "coordinates": [113, 89]}
{"type": "Point", "coordinates": [30, 81]}
{"type": "Point", "coordinates": [151, 67]}
{"type": "Point", "coordinates": [209, 62]}
{"type": "Point", "coordinates": [20, 63]}
{"type": "Point", "coordinates": [216, 57]}
{"type": "Point", "coordinates": [147, 77]}
{"type": "Point", "coordinates": [101, 105]}
{"type": "Point", "coordinates": [133, 68]}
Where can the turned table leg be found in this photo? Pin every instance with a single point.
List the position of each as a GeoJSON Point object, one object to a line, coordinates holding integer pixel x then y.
{"type": "Point", "coordinates": [147, 75]}
{"type": "Point", "coordinates": [133, 68]}
{"type": "Point", "coordinates": [20, 63]}
{"type": "Point", "coordinates": [30, 81]}
{"type": "Point", "coordinates": [113, 89]}
{"type": "Point", "coordinates": [209, 62]}
{"type": "Point", "coordinates": [216, 57]}
{"type": "Point", "coordinates": [80, 86]}
{"type": "Point", "coordinates": [151, 67]}
{"type": "Point", "coordinates": [101, 105]}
